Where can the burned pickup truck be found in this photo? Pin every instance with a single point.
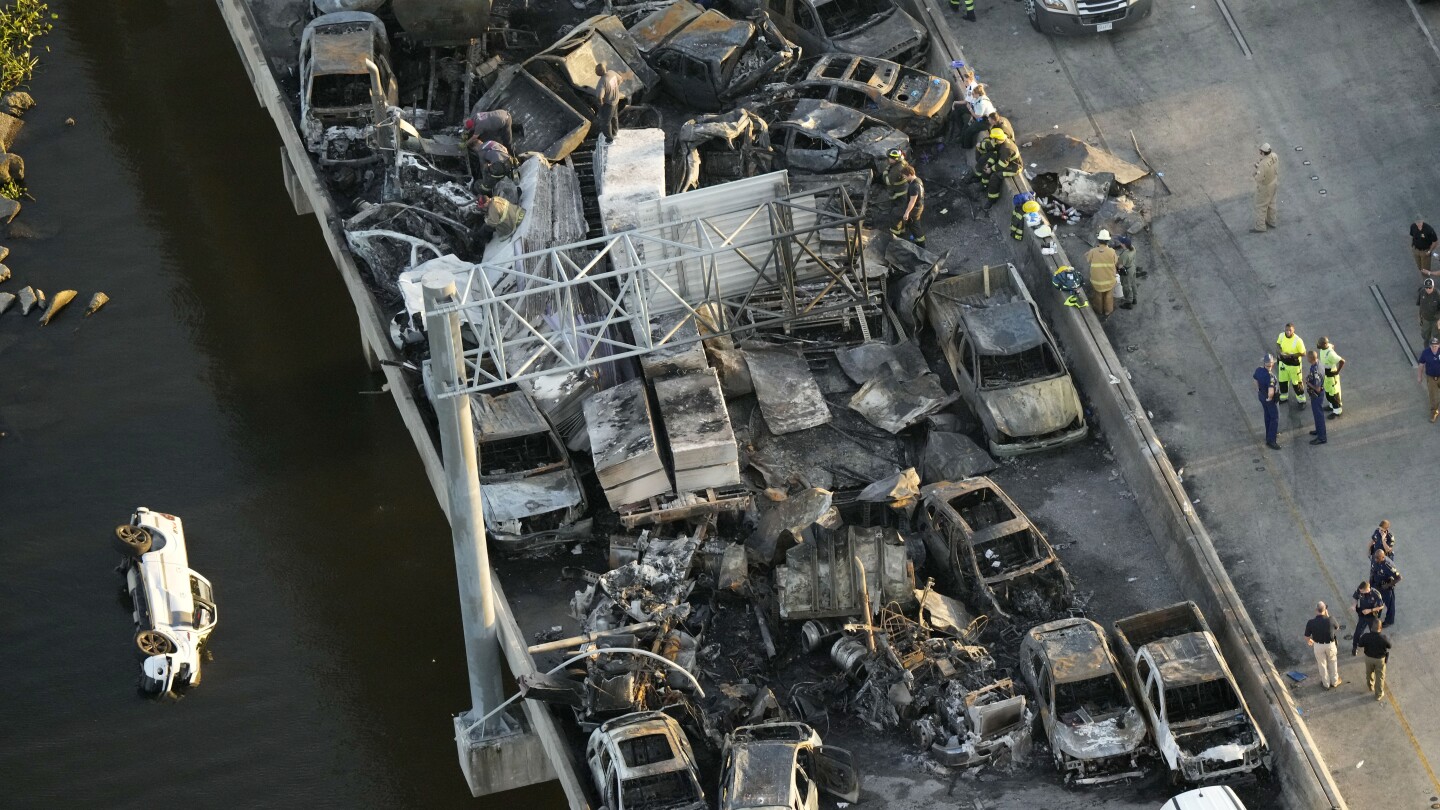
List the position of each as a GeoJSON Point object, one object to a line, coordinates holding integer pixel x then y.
{"type": "Point", "coordinates": [707, 59]}
{"type": "Point", "coordinates": [532, 496]}
{"type": "Point", "coordinates": [1201, 724]}
{"type": "Point", "coordinates": [1005, 361]}
{"type": "Point", "coordinates": [863, 27]}
{"type": "Point", "coordinates": [346, 82]}
{"type": "Point", "coordinates": [993, 552]}
{"type": "Point", "coordinates": [1096, 733]}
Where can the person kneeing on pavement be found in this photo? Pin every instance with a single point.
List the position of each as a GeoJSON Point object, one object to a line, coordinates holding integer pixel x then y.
{"type": "Point", "coordinates": [1320, 634]}
{"type": "Point", "coordinates": [1315, 387]}
{"type": "Point", "coordinates": [1377, 653]}
{"type": "Point", "coordinates": [1290, 347]}
{"type": "Point", "coordinates": [1428, 371]}
{"type": "Point", "coordinates": [1265, 387]}
{"type": "Point", "coordinates": [1384, 576]}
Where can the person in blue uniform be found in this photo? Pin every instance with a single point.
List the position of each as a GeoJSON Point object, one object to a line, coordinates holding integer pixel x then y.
{"type": "Point", "coordinates": [1315, 387]}
{"type": "Point", "coordinates": [1265, 388]}
{"type": "Point", "coordinates": [1368, 607]}
{"type": "Point", "coordinates": [1384, 576]}
{"type": "Point", "coordinates": [1382, 539]}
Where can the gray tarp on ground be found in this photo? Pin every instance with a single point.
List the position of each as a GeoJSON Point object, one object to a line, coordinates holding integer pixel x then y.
{"type": "Point", "coordinates": [789, 397]}
{"type": "Point", "coordinates": [1056, 152]}
{"type": "Point", "coordinates": [893, 405]}
{"type": "Point", "coordinates": [952, 457]}
{"type": "Point", "coordinates": [528, 497]}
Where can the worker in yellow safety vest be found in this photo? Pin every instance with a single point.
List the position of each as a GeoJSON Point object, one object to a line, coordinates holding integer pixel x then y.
{"type": "Point", "coordinates": [1331, 362]}
{"type": "Point", "coordinates": [1291, 349]}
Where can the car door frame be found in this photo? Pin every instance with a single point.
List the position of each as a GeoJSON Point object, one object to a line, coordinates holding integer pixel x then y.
{"type": "Point", "coordinates": [836, 773]}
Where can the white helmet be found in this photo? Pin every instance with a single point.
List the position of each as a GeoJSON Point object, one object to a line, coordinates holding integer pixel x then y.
{"type": "Point", "coordinates": [1103, 236]}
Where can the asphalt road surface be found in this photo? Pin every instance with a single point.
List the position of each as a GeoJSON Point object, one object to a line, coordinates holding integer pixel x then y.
{"type": "Point", "coordinates": [1347, 94]}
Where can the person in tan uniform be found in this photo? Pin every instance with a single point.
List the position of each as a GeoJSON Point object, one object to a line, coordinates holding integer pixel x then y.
{"type": "Point", "coordinates": [1267, 181]}
{"type": "Point", "coordinates": [1101, 261]}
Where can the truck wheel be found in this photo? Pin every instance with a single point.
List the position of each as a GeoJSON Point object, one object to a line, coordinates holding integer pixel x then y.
{"type": "Point", "coordinates": [152, 643]}
{"type": "Point", "coordinates": [133, 540]}
{"type": "Point", "coordinates": [1032, 14]}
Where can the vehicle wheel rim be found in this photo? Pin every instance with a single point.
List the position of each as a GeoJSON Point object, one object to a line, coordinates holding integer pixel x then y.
{"type": "Point", "coordinates": [152, 643]}
{"type": "Point", "coordinates": [132, 536]}
{"type": "Point", "coordinates": [1030, 9]}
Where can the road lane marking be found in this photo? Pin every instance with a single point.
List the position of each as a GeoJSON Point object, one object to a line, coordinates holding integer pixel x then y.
{"type": "Point", "coordinates": [1424, 29]}
{"type": "Point", "coordinates": [1394, 327]}
{"type": "Point", "coordinates": [1239, 37]}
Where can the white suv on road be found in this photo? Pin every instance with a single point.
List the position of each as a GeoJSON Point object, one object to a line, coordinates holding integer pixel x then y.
{"type": "Point", "coordinates": [174, 607]}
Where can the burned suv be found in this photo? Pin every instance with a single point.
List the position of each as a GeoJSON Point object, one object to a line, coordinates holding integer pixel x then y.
{"type": "Point", "coordinates": [997, 556]}
{"type": "Point", "coordinates": [1096, 733]}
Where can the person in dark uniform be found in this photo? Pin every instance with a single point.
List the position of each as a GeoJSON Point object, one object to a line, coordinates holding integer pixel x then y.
{"type": "Point", "coordinates": [1368, 607]}
{"type": "Point", "coordinates": [1382, 539]}
{"type": "Point", "coordinates": [1384, 576]}
{"type": "Point", "coordinates": [1315, 387]}
{"type": "Point", "coordinates": [909, 222]}
{"type": "Point", "coordinates": [1265, 388]}
{"type": "Point", "coordinates": [489, 125]}
{"type": "Point", "coordinates": [1320, 634]}
{"type": "Point", "coordinates": [1377, 654]}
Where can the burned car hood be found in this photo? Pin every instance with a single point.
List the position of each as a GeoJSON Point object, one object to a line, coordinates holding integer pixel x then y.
{"type": "Point", "coordinates": [528, 497]}
{"type": "Point", "coordinates": [1033, 409]}
{"type": "Point", "coordinates": [877, 141]}
{"type": "Point", "coordinates": [1101, 739]}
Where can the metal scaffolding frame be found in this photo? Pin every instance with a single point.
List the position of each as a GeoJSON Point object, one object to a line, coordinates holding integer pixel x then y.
{"type": "Point", "coordinates": [573, 307]}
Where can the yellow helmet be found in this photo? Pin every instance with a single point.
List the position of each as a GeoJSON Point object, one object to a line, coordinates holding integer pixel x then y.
{"type": "Point", "coordinates": [1030, 207]}
{"type": "Point", "coordinates": [997, 134]}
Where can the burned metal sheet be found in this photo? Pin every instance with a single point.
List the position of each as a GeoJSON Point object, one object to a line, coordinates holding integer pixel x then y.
{"type": "Point", "coordinates": [791, 520]}
{"type": "Point", "coordinates": [903, 361]}
{"type": "Point", "coordinates": [528, 497]}
{"type": "Point", "coordinates": [1056, 152]}
{"type": "Point", "coordinates": [789, 397]}
{"type": "Point", "coordinates": [820, 577]}
{"type": "Point", "coordinates": [952, 457]}
{"type": "Point", "coordinates": [893, 406]}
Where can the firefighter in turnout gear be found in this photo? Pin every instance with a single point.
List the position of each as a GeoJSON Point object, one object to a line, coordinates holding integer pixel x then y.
{"type": "Point", "coordinates": [1067, 281]}
{"type": "Point", "coordinates": [1024, 204]}
{"type": "Point", "coordinates": [1331, 362]}
{"type": "Point", "coordinates": [1291, 350]}
{"type": "Point", "coordinates": [996, 158]}
{"type": "Point", "coordinates": [969, 9]}
{"type": "Point", "coordinates": [895, 164]}
{"type": "Point", "coordinates": [914, 206]}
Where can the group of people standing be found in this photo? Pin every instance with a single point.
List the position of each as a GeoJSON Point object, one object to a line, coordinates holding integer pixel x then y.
{"type": "Point", "coordinates": [1319, 384]}
{"type": "Point", "coordinates": [1374, 604]}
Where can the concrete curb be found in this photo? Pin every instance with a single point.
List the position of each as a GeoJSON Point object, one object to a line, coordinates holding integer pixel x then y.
{"type": "Point", "coordinates": [1185, 543]}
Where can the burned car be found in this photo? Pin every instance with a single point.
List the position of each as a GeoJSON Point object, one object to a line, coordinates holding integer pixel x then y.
{"type": "Point", "coordinates": [820, 137]}
{"type": "Point", "coordinates": [994, 553]}
{"type": "Point", "coordinates": [707, 59]}
{"type": "Point", "coordinates": [912, 101]}
{"type": "Point", "coordinates": [1096, 733]}
{"type": "Point", "coordinates": [346, 82]}
{"type": "Point", "coordinates": [864, 27]}
{"type": "Point", "coordinates": [1005, 361]}
{"type": "Point", "coordinates": [531, 494]}
{"type": "Point", "coordinates": [783, 765]}
{"type": "Point", "coordinates": [1203, 728]}
{"type": "Point", "coordinates": [643, 761]}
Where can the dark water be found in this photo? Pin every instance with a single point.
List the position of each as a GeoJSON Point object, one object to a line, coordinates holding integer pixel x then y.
{"type": "Point", "coordinates": [221, 384]}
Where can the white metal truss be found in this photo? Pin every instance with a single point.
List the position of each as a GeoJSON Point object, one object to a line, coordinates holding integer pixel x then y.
{"type": "Point", "coordinates": [758, 265]}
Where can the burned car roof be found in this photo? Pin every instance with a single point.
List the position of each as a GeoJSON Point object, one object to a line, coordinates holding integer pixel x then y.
{"type": "Point", "coordinates": [1188, 658]}
{"type": "Point", "coordinates": [764, 770]}
{"type": "Point", "coordinates": [685, 26]}
{"type": "Point", "coordinates": [1075, 649]}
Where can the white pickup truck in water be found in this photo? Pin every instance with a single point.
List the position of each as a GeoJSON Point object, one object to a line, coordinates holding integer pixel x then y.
{"type": "Point", "coordinates": [174, 607]}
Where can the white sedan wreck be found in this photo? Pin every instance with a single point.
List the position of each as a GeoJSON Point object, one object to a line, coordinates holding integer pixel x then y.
{"type": "Point", "coordinates": [174, 607]}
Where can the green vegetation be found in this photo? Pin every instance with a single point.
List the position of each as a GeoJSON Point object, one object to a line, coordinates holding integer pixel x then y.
{"type": "Point", "coordinates": [20, 24]}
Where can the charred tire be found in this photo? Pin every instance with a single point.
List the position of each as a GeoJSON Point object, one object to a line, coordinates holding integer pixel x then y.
{"type": "Point", "coordinates": [152, 642]}
{"type": "Point", "coordinates": [133, 540]}
{"type": "Point", "coordinates": [1032, 15]}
